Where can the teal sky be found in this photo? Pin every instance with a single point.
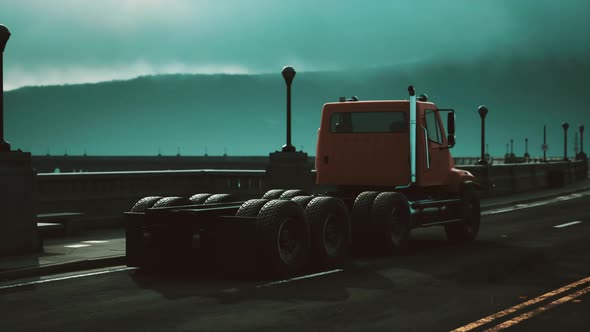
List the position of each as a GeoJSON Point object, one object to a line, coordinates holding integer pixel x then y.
{"type": "Point", "coordinates": [75, 41]}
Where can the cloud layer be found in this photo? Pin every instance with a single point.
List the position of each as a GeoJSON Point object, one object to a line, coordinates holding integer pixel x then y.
{"type": "Point", "coordinates": [67, 41]}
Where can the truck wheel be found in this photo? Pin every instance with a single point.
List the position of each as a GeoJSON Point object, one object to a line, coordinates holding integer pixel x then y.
{"type": "Point", "coordinates": [171, 201]}
{"type": "Point", "coordinates": [302, 200]}
{"type": "Point", "coordinates": [145, 203]}
{"type": "Point", "coordinates": [469, 212]}
{"type": "Point", "coordinates": [391, 214]}
{"type": "Point", "coordinates": [284, 236]}
{"type": "Point", "coordinates": [273, 194]}
{"type": "Point", "coordinates": [360, 219]}
{"type": "Point", "coordinates": [288, 194]}
{"type": "Point", "coordinates": [219, 198]}
{"type": "Point", "coordinates": [251, 208]}
{"type": "Point", "coordinates": [330, 230]}
{"type": "Point", "coordinates": [199, 198]}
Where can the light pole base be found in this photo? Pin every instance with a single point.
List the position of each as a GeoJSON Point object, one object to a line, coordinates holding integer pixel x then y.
{"type": "Point", "coordinates": [288, 148]}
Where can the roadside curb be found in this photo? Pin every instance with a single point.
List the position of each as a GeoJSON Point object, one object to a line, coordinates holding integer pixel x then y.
{"type": "Point", "coordinates": [78, 265]}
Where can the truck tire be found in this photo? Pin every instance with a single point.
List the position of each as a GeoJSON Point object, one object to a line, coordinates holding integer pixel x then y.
{"type": "Point", "coordinates": [361, 210]}
{"type": "Point", "coordinates": [284, 237]}
{"type": "Point", "coordinates": [219, 198]}
{"type": "Point", "coordinates": [171, 201]}
{"type": "Point", "coordinates": [330, 230]}
{"type": "Point", "coordinates": [391, 215]}
{"type": "Point", "coordinates": [470, 213]}
{"type": "Point", "coordinates": [273, 194]}
{"type": "Point", "coordinates": [145, 203]}
{"type": "Point", "coordinates": [199, 198]}
{"type": "Point", "coordinates": [302, 200]}
{"type": "Point", "coordinates": [361, 218]}
{"type": "Point", "coordinates": [288, 194]}
{"type": "Point", "coordinates": [251, 208]}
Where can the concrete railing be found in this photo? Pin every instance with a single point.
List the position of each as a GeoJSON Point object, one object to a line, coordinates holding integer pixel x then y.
{"type": "Point", "coordinates": [513, 178]}
{"type": "Point", "coordinates": [105, 195]}
{"type": "Point", "coordinates": [67, 164]}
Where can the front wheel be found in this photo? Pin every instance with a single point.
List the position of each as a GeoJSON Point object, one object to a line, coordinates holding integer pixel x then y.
{"type": "Point", "coordinates": [470, 214]}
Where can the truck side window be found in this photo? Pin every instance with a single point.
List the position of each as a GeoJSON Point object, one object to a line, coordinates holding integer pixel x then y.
{"type": "Point", "coordinates": [434, 133]}
{"type": "Point", "coordinates": [368, 122]}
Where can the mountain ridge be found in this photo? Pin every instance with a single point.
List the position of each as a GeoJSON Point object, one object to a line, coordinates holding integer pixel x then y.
{"type": "Point", "coordinates": [244, 113]}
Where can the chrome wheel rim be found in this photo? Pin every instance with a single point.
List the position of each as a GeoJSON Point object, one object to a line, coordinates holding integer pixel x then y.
{"type": "Point", "coordinates": [288, 241]}
{"type": "Point", "coordinates": [333, 235]}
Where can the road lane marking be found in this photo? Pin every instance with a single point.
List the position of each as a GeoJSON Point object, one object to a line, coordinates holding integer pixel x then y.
{"type": "Point", "coordinates": [77, 246]}
{"type": "Point", "coordinates": [541, 202]}
{"type": "Point", "coordinates": [567, 224]}
{"type": "Point", "coordinates": [534, 312]}
{"type": "Point", "coordinates": [299, 278]}
{"type": "Point", "coordinates": [517, 307]}
{"type": "Point", "coordinates": [43, 281]}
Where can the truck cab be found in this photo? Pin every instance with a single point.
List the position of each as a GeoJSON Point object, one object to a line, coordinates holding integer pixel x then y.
{"type": "Point", "coordinates": [370, 145]}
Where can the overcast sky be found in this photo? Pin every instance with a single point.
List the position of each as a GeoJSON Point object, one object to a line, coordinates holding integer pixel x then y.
{"type": "Point", "coordinates": [73, 41]}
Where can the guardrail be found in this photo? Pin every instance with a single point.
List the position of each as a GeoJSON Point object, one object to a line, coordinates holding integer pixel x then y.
{"type": "Point", "coordinates": [105, 195]}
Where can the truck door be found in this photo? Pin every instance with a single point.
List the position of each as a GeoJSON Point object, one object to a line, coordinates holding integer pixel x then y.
{"type": "Point", "coordinates": [435, 163]}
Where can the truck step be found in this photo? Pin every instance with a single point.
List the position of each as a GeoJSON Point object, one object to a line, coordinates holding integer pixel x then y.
{"type": "Point", "coordinates": [416, 205]}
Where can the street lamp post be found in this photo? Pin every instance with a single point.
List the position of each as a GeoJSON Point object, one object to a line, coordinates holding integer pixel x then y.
{"type": "Point", "coordinates": [288, 74]}
{"type": "Point", "coordinates": [545, 147]}
{"type": "Point", "coordinates": [4, 36]}
{"type": "Point", "coordinates": [565, 126]}
{"type": "Point", "coordinates": [483, 111]}
{"type": "Point", "coordinates": [582, 154]}
{"type": "Point", "coordinates": [527, 156]}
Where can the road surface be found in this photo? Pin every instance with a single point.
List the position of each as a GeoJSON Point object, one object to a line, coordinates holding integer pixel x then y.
{"type": "Point", "coordinates": [522, 274]}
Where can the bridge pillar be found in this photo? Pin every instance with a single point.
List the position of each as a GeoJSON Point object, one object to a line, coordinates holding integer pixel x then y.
{"type": "Point", "coordinates": [18, 194]}
{"type": "Point", "coordinates": [289, 170]}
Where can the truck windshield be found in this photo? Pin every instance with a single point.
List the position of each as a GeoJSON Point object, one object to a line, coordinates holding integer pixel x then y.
{"type": "Point", "coordinates": [368, 122]}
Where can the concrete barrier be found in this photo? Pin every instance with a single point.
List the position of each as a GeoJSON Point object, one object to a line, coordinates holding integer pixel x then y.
{"type": "Point", "coordinates": [513, 178]}
{"type": "Point", "coordinates": [104, 196]}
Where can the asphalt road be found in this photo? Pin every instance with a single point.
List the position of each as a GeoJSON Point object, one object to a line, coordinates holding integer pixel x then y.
{"type": "Point", "coordinates": [518, 257]}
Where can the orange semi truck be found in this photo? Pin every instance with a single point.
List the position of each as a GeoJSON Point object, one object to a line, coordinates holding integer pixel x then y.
{"type": "Point", "coordinates": [382, 168]}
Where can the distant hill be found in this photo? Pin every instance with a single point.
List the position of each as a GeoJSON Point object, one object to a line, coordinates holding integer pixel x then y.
{"type": "Point", "coordinates": [245, 114]}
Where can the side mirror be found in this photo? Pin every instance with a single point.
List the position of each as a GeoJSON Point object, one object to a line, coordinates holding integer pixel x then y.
{"type": "Point", "coordinates": [451, 140]}
{"type": "Point", "coordinates": [451, 129]}
{"type": "Point", "coordinates": [451, 123]}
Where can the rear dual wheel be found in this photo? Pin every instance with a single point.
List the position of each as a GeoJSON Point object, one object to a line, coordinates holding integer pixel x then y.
{"type": "Point", "coordinates": [206, 198]}
{"type": "Point", "coordinates": [382, 220]}
{"type": "Point", "coordinates": [330, 230]}
{"type": "Point", "coordinates": [290, 229]}
{"type": "Point", "coordinates": [284, 194]}
{"type": "Point", "coordinates": [284, 236]}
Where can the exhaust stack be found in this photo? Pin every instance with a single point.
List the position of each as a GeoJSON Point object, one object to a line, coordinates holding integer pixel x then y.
{"type": "Point", "coordinates": [412, 134]}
